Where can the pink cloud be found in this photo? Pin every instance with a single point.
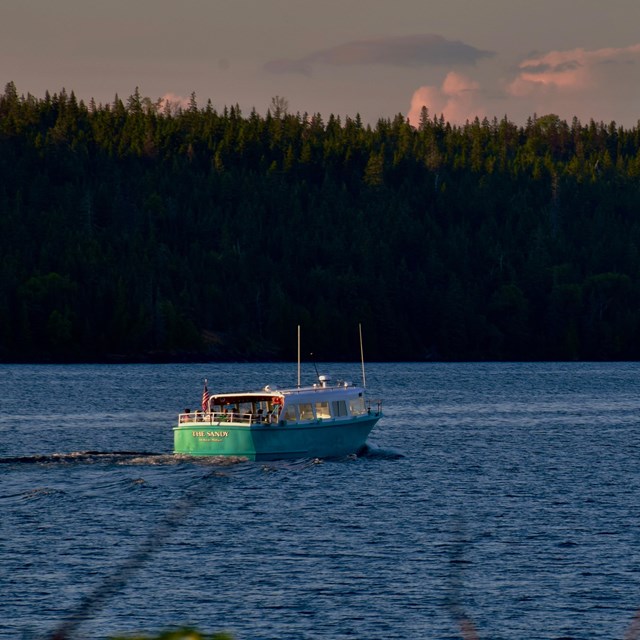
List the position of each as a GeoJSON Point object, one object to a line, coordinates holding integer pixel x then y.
{"type": "Point", "coordinates": [602, 84]}
{"type": "Point", "coordinates": [457, 100]}
{"type": "Point", "coordinates": [573, 70]}
{"type": "Point", "coordinates": [173, 102]}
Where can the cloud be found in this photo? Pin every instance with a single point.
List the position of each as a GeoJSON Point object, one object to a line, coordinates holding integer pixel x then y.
{"type": "Point", "coordinates": [603, 84]}
{"type": "Point", "coordinates": [458, 100]}
{"type": "Point", "coordinates": [173, 101]}
{"type": "Point", "coordinates": [569, 71]}
{"type": "Point", "coordinates": [400, 51]}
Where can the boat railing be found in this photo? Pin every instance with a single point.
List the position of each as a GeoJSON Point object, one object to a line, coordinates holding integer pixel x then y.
{"type": "Point", "coordinates": [220, 417]}
{"type": "Point", "coordinates": [217, 417]}
{"type": "Point", "coordinates": [374, 406]}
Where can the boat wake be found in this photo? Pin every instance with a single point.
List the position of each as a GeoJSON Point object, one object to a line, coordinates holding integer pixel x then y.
{"type": "Point", "coordinates": [147, 458]}
{"type": "Point", "coordinates": [379, 454]}
{"type": "Point", "coordinates": [143, 458]}
{"type": "Point", "coordinates": [83, 457]}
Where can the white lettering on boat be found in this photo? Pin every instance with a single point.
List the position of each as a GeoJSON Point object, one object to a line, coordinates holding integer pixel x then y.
{"type": "Point", "coordinates": [211, 434]}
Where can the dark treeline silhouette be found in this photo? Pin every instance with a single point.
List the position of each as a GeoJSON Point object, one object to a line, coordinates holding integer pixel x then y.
{"type": "Point", "coordinates": [138, 230]}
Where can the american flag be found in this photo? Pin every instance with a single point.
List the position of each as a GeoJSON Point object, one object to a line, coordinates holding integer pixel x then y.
{"type": "Point", "coordinates": [205, 397]}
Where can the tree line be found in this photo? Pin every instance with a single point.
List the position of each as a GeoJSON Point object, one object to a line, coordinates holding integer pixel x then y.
{"type": "Point", "coordinates": [138, 230]}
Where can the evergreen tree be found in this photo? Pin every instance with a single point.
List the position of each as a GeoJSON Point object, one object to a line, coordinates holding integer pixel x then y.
{"type": "Point", "coordinates": [132, 231]}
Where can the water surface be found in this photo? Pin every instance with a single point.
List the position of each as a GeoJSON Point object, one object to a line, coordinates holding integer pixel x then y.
{"type": "Point", "coordinates": [503, 494]}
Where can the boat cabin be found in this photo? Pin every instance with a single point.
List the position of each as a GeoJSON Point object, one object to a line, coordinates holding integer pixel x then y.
{"type": "Point", "coordinates": [319, 402]}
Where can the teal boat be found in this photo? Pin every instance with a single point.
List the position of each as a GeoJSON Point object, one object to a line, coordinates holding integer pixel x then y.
{"type": "Point", "coordinates": [323, 420]}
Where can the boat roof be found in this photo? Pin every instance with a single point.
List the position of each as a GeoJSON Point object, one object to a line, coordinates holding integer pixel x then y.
{"type": "Point", "coordinates": [309, 393]}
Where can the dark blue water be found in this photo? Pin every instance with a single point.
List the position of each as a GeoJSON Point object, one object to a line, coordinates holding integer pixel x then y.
{"type": "Point", "coordinates": [501, 496]}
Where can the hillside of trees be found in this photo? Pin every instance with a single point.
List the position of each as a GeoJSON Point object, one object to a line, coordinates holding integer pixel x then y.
{"type": "Point", "coordinates": [141, 231]}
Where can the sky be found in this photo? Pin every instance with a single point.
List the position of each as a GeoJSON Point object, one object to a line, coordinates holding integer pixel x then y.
{"type": "Point", "coordinates": [375, 58]}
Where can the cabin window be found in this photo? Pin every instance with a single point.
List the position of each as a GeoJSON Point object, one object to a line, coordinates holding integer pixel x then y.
{"type": "Point", "coordinates": [339, 408]}
{"type": "Point", "coordinates": [356, 406]}
{"type": "Point", "coordinates": [322, 410]}
{"type": "Point", "coordinates": [290, 413]}
{"type": "Point", "coordinates": [306, 411]}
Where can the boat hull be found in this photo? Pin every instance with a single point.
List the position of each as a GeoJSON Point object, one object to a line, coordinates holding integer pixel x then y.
{"type": "Point", "coordinates": [314, 439]}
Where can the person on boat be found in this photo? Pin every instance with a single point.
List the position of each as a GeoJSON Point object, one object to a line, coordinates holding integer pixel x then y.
{"type": "Point", "coordinates": [185, 417]}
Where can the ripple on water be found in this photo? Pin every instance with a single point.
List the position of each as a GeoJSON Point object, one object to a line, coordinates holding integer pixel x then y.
{"type": "Point", "coordinates": [505, 495]}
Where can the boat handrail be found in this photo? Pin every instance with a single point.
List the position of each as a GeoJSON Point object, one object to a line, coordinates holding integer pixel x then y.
{"type": "Point", "coordinates": [370, 404]}
{"type": "Point", "coordinates": [220, 417]}
{"type": "Point", "coordinates": [317, 388]}
{"type": "Point", "coordinates": [217, 417]}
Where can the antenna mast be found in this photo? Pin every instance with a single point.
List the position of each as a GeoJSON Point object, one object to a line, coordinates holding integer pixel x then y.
{"type": "Point", "coordinates": [298, 356]}
{"type": "Point", "coordinates": [364, 379]}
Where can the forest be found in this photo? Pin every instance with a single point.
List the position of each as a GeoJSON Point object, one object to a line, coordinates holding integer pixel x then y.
{"type": "Point", "coordinates": [143, 231]}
